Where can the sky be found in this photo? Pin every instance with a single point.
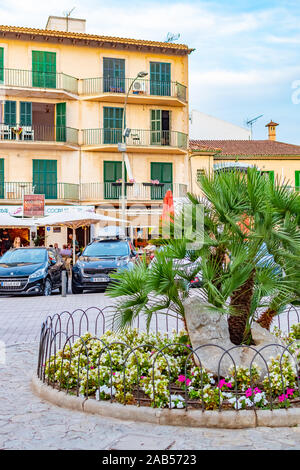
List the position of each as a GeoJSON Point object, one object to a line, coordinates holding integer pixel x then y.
{"type": "Point", "coordinates": [246, 61]}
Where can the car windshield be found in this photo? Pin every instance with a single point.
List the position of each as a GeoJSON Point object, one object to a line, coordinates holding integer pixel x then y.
{"type": "Point", "coordinates": [24, 256]}
{"type": "Point", "coordinates": [107, 249]}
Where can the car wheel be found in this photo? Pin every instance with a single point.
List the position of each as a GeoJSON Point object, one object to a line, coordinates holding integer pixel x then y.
{"type": "Point", "coordinates": [47, 287]}
{"type": "Point", "coordinates": [76, 290]}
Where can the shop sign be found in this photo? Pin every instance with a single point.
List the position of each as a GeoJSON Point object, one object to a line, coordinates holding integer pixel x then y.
{"type": "Point", "coordinates": [33, 205]}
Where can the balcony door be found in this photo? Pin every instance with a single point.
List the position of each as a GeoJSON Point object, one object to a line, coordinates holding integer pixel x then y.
{"type": "Point", "coordinates": [163, 172]}
{"type": "Point", "coordinates": [160, 78]}
{"type": "Point", "coordinates": [113, 75]}
{"type": "Point", "coordinates": [112, 123]}
{"type": "Point", "coordinates": [43, 69]}
{"type": "Point", "coordinates": [112, 172]}
{"type": "Point", "coordinates": [45, 178]}
{"type": "Point", "coordinates": [61, 122]}
{"type": "Point", "coordinates": [160, 127]}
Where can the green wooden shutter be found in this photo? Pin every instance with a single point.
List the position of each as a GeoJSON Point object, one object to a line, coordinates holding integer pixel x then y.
{"type": "Point", "coordinates": [112, 171]}
{"type": "Point", "coordinates": [112, 123]}
{"type": "Point", "coordinates": [44, 69]}
{"type": "Point", "coordinates": [297, 180]}
{"type": "Point", "coordinates": [61, 122]}
{"type": "Point", "coordinates": [1, 64]}
{"type": "Point", "coordinates": [25, 113]}
{"type": "Point", "coordinates": [2, 178]}
{"type": "Point", "coordinates": [10, 113]}
{"type": "Point", "coordinates": [155, 127]}
{"type": "Point", "coordinates": [45, 178]}
{"type": "Point", "coordinates": [113, 75]}
{"type": "Point", "coordinates": [160, 78]}
{"type": "Point", "coordinates": [270, 174]}
{"type": "Point", "coordinates": [163, 172]}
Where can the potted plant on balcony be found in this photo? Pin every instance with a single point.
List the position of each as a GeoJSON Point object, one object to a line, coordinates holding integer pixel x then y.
{"type": "Point", "coordinates": [153, 183]}
{"type": "Point", "coordinates": [127, 183]}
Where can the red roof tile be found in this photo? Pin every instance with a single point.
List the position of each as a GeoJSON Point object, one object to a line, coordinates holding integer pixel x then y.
{"type": "Point", "coordinates": [246, 147]}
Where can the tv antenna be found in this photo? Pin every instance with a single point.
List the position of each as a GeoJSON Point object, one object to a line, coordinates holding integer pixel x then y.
{"type": "Point", "coordinates": [171, 37]}
{"type": "Point", "coordinates": [67, 14]}
{"type": "Point", "coordinates": [250, 122]}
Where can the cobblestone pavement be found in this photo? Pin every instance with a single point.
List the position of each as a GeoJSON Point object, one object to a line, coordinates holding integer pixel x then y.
{"type": "Point", "coordinates": [27, 422]}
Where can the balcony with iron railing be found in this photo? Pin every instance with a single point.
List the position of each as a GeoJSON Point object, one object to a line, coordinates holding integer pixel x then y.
{"type": "Point", "coordinates": [138, 139]}
{"type": "Point", "coordinates": [38, 136]}
{"type": "Point", "coordinates": [90, 192]}
{"type": "Point", "coordinates": [134, 191]}
{"type": "Point", "coordinates": [143, 90]}
{"type": "Point", "coordinates": [38, 84]}
{"type": "Point", "coordinates": [14, 191]}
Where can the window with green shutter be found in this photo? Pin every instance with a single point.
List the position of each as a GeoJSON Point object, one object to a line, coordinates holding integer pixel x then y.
{"type": "Point", "coordinates": [45, 178]}
{"type": "Point", "coordinates": [61, 121]}
{"type": "Point", "coordinates": [1, 178]}
{"type": "Point", "coordinates": [1, 64]}
{"type": "Point", "coordinates": [297, 180]}
{"type": "Point", "coordinates": [112, 172]}
{"type": "Point", "coordinates": [160, 127]}
{"type": "Point", "coordinates": [112, 123]}
{"type": "Point", "coordinates": [25, 113]}
{"type": "Point", "coordinates": [269, 174]}
{"type": "Point", "coordinates": [113, 75]}
{"type": "Point", "coordinates": [160, 78]}
{"type": "Point", "coordinates": [10, 113]}
{"type": "Point", "coordinates": [162, 172]}
{"type": "Point", "coordinates": [44, 69]}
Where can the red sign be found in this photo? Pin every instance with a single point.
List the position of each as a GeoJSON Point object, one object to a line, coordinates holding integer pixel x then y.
{"type": "Point", "coordinates": [33, 205]}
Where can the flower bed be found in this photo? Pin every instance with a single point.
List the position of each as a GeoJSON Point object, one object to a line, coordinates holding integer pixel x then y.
{"type": "Point", "coordinates": [154, 370]}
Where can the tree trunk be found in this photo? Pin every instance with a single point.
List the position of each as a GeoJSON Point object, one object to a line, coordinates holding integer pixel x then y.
{"type": "Point", "coordinates": [266, 318]}
{"type": "Point", "coordinates": [240, 303]}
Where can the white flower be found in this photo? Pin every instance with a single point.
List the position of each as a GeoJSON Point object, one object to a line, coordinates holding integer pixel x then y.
{"type": "Point", "coordinates": [177, 397]}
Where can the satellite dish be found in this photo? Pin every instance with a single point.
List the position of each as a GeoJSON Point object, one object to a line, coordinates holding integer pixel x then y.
{"type": "Point", "coordinates": [171, 37]}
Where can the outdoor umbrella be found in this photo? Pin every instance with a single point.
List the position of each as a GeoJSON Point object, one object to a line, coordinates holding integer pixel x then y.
{"type": "Point", "coordinates": [167, 216]}
{"type": "Point", "coordinates": [74, 219]}
{"type": "Point", "coordinates": [7, 221]}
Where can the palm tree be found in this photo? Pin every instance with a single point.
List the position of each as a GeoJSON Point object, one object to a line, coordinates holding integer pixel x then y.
{"type": "Point", "coordinates": [249, 256]}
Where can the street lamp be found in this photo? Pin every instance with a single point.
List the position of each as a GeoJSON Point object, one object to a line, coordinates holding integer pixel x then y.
{"type": "Point", "coordinates": [122, 148]}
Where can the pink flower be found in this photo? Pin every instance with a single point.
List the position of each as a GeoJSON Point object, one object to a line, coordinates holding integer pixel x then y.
{"type": "Point", "coordinates": [256, 390]}
{"type": "Point", "coordinates": [221, 383]}
{"type": "Point", "coordinates": [192, 373]}
{"type": "Point", "coordinates": [92, 367]}
{"type": "Point", "coordinates": [248, 392]}
{"type": "Point", "coordinates": [113, 373]}
{"type": "Point", "coordinates": [281, 398]}
{"type": "Point", "coordinates": [289, 391]}
{"type": "Point", "coordinates": [181, 378]}
{"type": "Point", "coordinates": [142, 377]}
{"type": "Point", "coordinates": [188, 381]}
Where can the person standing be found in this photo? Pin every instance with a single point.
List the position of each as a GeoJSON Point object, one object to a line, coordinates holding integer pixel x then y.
{"type": "Point", "coordinates": [5, 242]}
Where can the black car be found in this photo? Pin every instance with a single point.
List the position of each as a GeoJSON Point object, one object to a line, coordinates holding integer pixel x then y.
{"type": "Point", "coordinates": [31, 271]}
{"type": "Point", "coordinates": [98, 261]}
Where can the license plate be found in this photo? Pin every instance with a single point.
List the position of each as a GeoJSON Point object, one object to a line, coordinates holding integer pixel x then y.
{"type": "Point", "coordinates": [10, 284]}
{"type": "Point", "coordinates": [99, 279]}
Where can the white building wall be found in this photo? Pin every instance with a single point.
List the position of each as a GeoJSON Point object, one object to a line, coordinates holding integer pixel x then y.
{"type": "Point", "coordinates": [206, 127]}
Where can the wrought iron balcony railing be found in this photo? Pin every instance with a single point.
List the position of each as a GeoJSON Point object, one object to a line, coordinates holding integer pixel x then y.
{"type": "Point", "coordinates": [99, 85]}
{"type": "Point", "coordinates": [61, 191]}
{"type": "Point", "coordinates": [32, 79]}
{"type": "Point", "coordinates": [38, 133]}
{"type": "Point", "coordinates": [134, 191]}
{"type": "Point", "coordinates": [138, 137]}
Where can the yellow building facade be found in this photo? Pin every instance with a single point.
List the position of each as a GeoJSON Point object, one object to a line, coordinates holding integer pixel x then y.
{"type": "Point", "coordinates": [279, 160]}
{"type": "Point", "coordinates": [62, 98]}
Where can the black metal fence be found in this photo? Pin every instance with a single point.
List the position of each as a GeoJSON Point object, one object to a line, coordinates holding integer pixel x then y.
{"type": "Point", "coordinates": [61, 332]}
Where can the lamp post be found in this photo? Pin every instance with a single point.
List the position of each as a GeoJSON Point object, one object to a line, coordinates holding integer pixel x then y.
{"type": "Point", "coordinates": [122, 148]}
